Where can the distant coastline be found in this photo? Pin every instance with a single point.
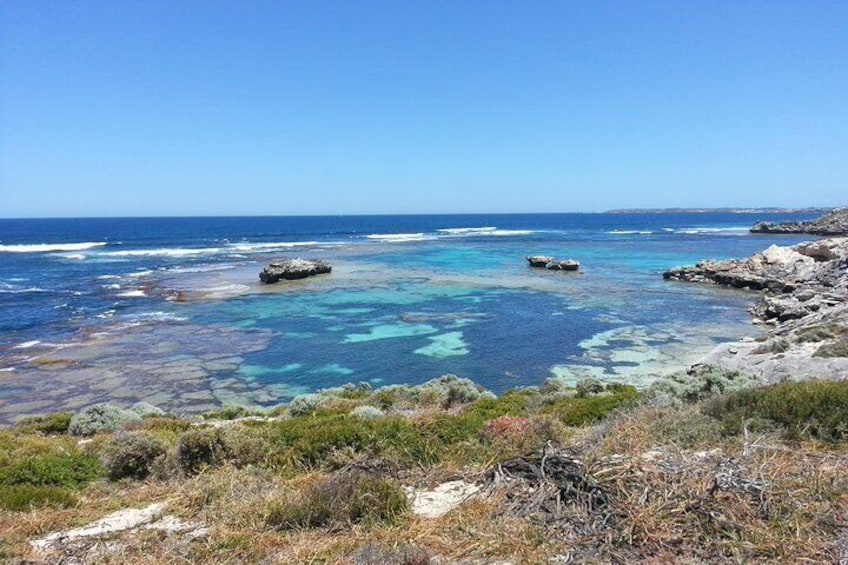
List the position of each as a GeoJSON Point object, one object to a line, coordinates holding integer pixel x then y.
{"type": "Point", "coordinates": [719, 211]}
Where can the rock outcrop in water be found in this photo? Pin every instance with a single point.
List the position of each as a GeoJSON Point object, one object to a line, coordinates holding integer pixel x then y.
{"type": "Point", "coordinates": [548, 262]}
{"type": "Point", "coordinates": [292, 269]}
{"type": "Point", "coordinates": [833, 223]}
{"type": "Point", "coordinates": [805, 304]}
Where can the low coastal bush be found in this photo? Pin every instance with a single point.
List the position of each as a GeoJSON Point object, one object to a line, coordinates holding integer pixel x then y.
{"type": "Point", "coordinates": [582, 410]}
{"type": "Point", "coordinates": [101, 418]}
{"type": "Point", "coordinates": [700, 382]}
{"type": "Point", "coordinates": [48, 425]}
{"type": "Point", "coordinates": [200, 448]}
{"type": "Point", "coordinates": [836, 349]}
{"type": "Point", "coordinates": [71, 469]}
{"type": "Point", "coordinates": [339, 501]}
{"type": "Point", "coordinates": [131, 455]}
{"type": "Point", "coordinates": [21, 498]}
{"type": "Point", "coordinates": [47, 479]}
{"type": "Point", "coordinates": [815, 408]}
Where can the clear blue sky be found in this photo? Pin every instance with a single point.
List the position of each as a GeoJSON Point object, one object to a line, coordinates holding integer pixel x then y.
{"type": "Point", "coordinates": [202, 108]}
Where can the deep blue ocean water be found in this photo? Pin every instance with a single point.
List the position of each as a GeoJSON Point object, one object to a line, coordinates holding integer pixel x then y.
{"type": "Point", "coordinates": [89, 308]}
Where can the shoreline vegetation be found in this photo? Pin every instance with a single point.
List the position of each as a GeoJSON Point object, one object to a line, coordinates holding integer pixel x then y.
{"type": "Point", "coordinates": [740, 458]}
{"type": "Point", "coordinates": [707, 465]}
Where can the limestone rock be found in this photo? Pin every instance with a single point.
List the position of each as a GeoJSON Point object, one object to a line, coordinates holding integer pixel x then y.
{"type": "Point", "coordinates": [292, 269]}
{"type": "Point", "coordinates": [552, 264]}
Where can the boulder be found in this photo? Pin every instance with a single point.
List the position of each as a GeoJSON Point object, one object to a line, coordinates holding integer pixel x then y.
{"type": "Point", "coordinates": [548, 262]}
{"type": "Point", "coordinates": [292, 269]}
{"type": "Point", "coordinates": [563, 265]}
{"type": "Point", "coordinates": [539, 261]}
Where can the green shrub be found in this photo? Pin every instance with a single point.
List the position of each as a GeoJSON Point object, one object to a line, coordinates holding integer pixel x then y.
{"type": "Point", "coordinates": [341, 500]}
{"type": "Point", "coordinates": [815, 408]}
{"type": "Point", "coordinates": [71, 470]}
{"type": "Point", "coordinates": [23, 497]}
{"type": "Point", "coordinates": [579, 411]}
{"type": "Point", "coordinates": [511, 403]}
{"type": "Point", "coordinates": [700, 382]}
{"type": "Point", "coordinates": [131, 455]}
{"type": "Point", "coordinates": [101, 418]}
{"type": "Point", "coordinates": [836, 349]}
{"type": "Point", "coordinates": [197, 449]}
{"type": "Point", "coordinates": [47, 425]}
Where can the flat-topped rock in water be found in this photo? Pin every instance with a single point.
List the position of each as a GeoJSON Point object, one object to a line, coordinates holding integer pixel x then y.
{"type": "Point", "coordinates": [292, 269]}
{"type": "Point", "coordinates": [832, 223]}
{"type": "Point", "coordinates": [552, 264]}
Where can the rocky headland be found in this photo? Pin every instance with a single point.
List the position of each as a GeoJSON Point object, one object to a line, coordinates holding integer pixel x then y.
{"type": "Point", "coordinates": [804, 307]}
{"type": "Point", "coordinates": [832, 223]}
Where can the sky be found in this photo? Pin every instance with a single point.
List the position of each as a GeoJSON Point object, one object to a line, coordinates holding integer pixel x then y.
{"type": "Point", "coordinates": [150, 108]}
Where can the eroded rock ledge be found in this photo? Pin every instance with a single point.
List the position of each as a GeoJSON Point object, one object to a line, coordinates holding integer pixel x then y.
{"type": "Point", "coordinates": [804, 305]}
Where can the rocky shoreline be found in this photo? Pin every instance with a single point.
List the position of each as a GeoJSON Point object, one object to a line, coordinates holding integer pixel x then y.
{"type": "Point", "coordinates": [835, 223]}
{"type": "Point", "coordinates": [804, 306]}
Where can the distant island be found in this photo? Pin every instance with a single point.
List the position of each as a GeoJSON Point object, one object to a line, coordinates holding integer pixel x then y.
{"type": "Point", "coordinates": [719, 211]}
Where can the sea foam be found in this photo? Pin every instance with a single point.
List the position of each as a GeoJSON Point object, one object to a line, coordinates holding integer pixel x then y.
{"type": "Point", "coordinates": [50, 247]}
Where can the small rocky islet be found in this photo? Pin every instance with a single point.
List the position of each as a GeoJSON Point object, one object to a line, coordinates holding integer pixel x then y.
{"type": "Point", "coordinates": [293, 269]}
{"type": "Point", "coordinates": [551, 263]}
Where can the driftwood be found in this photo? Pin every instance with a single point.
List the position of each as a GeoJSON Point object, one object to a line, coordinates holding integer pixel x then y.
{"type": "Point", "coordinates": [551, 486]}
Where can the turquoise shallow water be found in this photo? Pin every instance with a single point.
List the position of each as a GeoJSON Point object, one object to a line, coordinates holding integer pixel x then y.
{"type": "Point", "coordinates": [171, 311]}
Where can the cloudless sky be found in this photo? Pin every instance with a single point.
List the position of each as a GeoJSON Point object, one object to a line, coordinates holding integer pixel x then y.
{"type": "Point", "coordinates": [142, 107]}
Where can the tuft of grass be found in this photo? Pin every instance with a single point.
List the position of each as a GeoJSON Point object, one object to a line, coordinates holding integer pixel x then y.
{"type": "Point", "coordinates": [815, 408]}
{"type": "Point", "coordinates": [339, 501]}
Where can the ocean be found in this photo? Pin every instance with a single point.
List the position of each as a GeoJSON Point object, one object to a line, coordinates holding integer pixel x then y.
{"type": "Point", "coordinates": [170, 310]}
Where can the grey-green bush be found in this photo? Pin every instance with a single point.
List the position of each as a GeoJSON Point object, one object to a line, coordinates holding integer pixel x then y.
{"type": "Point", "coordinates": [101, 418]}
